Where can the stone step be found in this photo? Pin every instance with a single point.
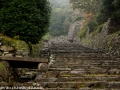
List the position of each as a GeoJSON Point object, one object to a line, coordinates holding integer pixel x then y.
{"type": "Point", "coordinates": [84, 58]}
{"type": "Point", "coordinates": [78, 85]}
{"type": "Point", "coordinates": [86, 54]}
{"type": "Point", "coordinates": [86, 67]}
{"type": "Point", "coordinates": [60, 89]}
{"type": "Point", "coordinates": [73, 51]}
{"type": "Point", "coordinates": [66, 78]}
{"type": "Point", "coordinates": [81, 54]}
{"type": "Point", "coordinates": [85, 62]}
{"type": "Point", "coordinates": [95, 78]}
{"type": "Point", "coordinates": [89, 75]}
{"type": "Point", "coordinates": [79, 89]}
{"type": "Point", "coordinates": [59, 69]}
{"type": "Point", "coordinates": [95, 65]}
{"type": "Point", "coordinates": [71, 47]}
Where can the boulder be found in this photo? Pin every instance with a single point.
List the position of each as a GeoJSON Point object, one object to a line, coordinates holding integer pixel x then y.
{"type": "Point", "coordinates": [39, 76]}
{"type": "Point", "coordinates": [42, 67]}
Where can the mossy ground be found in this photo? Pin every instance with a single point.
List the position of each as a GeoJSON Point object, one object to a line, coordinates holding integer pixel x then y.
{"type": "Point", "coordinates": [16, 43]}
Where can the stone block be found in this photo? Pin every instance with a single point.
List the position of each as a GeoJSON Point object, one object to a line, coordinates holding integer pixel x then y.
{"type": "Point", "coordinates": [6, 48]}
{"type": "Point", "coordinates": [63, 79]}
{"type": "Point", "coordinates": [9, 55]}
{"type": "Point", "coordinates": [42, 67]}
{"type": "Point", "coordinates": [67, 84]}
{"type": "Point", "coordinates": [52, 84]}
{"type": "Point", "coordinates": [53, 74]}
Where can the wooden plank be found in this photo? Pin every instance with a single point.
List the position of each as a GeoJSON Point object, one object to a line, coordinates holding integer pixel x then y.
{"type": "Point", "coordinates": [28, 59]}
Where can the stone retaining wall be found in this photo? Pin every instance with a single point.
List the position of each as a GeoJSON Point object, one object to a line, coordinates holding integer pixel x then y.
{"type": "Point", "coordinates": [109, 42]}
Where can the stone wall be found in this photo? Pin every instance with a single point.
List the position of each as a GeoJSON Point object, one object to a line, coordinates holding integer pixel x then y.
{"type": "Point", "coordinates": [75, 25]}
{"type": "Point", "coordinates": [13, 48]}
{"type": "Point", "coordinates": [106, 40]}
{"type": "Point", "coordinates": [10, 48]}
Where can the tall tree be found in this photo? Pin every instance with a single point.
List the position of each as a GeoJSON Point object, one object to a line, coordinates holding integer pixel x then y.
{"type": "Point", "coordinates": [27, 19]}
{"type": "Point", "coordinates": [109, 8]}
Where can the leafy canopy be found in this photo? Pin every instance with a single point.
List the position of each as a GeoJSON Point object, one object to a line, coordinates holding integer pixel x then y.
{"type": "Point", "coordinates": [27, 19]}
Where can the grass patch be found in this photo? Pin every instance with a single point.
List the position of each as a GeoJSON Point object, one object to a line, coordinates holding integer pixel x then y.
{"type": "Point", "coordinates": [98, 30]}
{"type": "Point", "coordinates": [118, 33]}
{"type": "Point", "coordinates": [65, 75]}
{"type": "Point", "coordinates": [82, 32]}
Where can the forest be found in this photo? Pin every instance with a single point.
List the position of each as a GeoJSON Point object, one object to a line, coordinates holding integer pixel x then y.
{"type": "Point", "coordinates": [22, 20]}
{"type": "Point", "coordinates": [98, 11]}
{"type": "Point", "coordinates": [60, 17]}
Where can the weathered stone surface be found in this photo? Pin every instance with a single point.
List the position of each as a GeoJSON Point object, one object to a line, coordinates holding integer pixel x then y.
{"type": "Point", "coordinates": [51, 63]}
{"type": "Point", "coordinates": [27, 84]}
{"type": "Point", "coordinates": [63, 79]}
{"type": "Point", "coordinates": [77, 73]}
{"type": "Point", "coordinates": [97, 70]}
{"type": "Point", "coordinates": [60, 69]}
{"type": "Point", "coordinates": [9, 55]}
{"type": "Point", "coordinates": [114, 85]}
{"type": "Point", "coordinates": [18, 55]}
{"type": "Point", "coordinates": [42, 67]}
{"type": "Point", "coordinates": [52, 80]}
{"type": "Point", "coordinates": [67, 84]}
{"type": "Point", "coordinates": [39, 76]}
{"type": "Point", "coordinates": [53, 74]}
{"type": "Point", "coordinates": [114, 71]}
{"type": "Point", "coordinates": [84, 70]}
{"type": "Point", "coordinates": [6, 48]}
{"type": "Point", "coordinates": [52, 85]}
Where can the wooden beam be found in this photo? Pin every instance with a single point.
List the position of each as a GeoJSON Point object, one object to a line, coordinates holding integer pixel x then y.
{"type": "Point", "coordinates": [26, 59]}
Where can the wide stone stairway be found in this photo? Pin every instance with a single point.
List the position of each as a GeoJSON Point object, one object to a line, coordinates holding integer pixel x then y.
{"type": "Point", "coordinates": [75, 67]}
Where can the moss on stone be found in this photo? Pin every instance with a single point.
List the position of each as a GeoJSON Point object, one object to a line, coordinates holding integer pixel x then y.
{"type": "Point", "coordinates": [19, 45]}
{"type": "Point", "coordinates": [1, 66]}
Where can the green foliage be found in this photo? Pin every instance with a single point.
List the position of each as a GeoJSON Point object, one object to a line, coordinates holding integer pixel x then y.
{"type": "Point", "coordinates": [118, 33]}
{"type": "Point", "coordinates": [116, 3]}
{"type": "Point", "coordinates": [19, 45]}
{"type": "Point", "coordinates": [57, 22]}
{"type": "Point", "coordinates": [82, 32]}
{"type": "Point", "coordinates": [109, 8]}
{"type": "Point", "coordinates": [60, 18]}
{"type": "Point", "coordinates": [92, 26]}
{"type": "Point", "coordinates": [99, 28]}
{"type": "Point", "coordinates": [47, 36]}
{"type": "Point", "coordinates": [27, 19]}
{"type": "Point", "coordinates": [36, 49]}
{"type": "Point", "coordinates": [116, 14]}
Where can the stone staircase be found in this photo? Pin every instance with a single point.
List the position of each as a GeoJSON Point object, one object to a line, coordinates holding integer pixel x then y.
{"type": "Point", "coordinates": [74, 67]}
